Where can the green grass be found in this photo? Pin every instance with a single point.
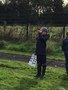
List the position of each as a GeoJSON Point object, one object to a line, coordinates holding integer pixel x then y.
{"type": "Point", "coordinates": [54, 56]}
{"type": "Point", "coordinates": [15, 75]}
{"type": "Point", "coordinates": [15, 52]}
{"type": "Point", "coordinates": [20, 46]}
{"type": "Point", "coordinates": [54, 50]}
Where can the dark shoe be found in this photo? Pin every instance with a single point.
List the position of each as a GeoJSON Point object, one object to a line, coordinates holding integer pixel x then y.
{"type": "Point", "coordinates": [43, 70]}
{"type": "Point", "coordinates": [41, 77]}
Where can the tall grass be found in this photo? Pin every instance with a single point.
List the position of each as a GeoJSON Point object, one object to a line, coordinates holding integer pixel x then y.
{"type": "Point", "coordinates": [13, 38]}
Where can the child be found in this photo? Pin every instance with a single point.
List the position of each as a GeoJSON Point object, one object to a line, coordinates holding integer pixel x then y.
{"type": "Point", "coordinates": [43, 36]}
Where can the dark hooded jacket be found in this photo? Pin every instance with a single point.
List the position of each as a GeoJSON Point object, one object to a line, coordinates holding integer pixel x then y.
{"type": "Point", "coordinates": [65, 45]}
{"type": "Point", "coordinates": [41, 44]}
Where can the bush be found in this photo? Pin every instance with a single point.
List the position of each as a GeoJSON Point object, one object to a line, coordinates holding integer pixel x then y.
{"type": "Point", "coordinates": [2, 44]}
{"type": "Point", "coordinates": [27, 46]}
{"type": "Point", "coordinates": [52, 47]}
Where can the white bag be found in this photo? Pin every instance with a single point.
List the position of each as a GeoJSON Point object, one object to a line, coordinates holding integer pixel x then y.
{"type": "Point", "coordinates": [33, 60]}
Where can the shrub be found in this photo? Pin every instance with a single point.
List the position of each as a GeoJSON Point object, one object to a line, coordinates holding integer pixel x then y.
{"type": "Point", "coordinates": [2, 44]}
{"type": "Point", "coordinates": [52, 46]}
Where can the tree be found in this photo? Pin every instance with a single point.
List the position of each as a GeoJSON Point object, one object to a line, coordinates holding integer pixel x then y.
{"type": "Point", "coordinates": [22, 12]}
{"type": "Point", "coordinates": [65, 18]}
{"type": "Point", "coordinates": [58, 6]}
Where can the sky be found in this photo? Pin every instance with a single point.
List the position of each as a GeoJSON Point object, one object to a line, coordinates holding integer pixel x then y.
{"type": "Point", "coordinates": [65, 1]}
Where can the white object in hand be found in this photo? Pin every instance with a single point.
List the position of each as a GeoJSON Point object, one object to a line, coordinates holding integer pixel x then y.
{"type": "Point", "coordinates": [33, 60]}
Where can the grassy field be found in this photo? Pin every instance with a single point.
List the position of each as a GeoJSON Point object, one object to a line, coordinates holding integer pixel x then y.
{"type": "Point", "coordinates": [54, 52]}
{"type": "Point", "coordinates": [15, 75]}
{"type": "Point", "coordinates": [53, 56]}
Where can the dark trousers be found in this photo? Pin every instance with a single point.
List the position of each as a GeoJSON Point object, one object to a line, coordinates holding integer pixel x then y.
{"type": "Point", "coordinates": [66, 59]}
{"type": "Point", "coordinates": [41, 65]}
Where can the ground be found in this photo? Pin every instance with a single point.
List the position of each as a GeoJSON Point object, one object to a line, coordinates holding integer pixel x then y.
{"type": "Point", "coordinates": [17, 75]}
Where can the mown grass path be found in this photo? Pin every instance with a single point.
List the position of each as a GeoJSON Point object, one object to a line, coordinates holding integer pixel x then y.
{"type": "Point", "coordinates": [26, 58]}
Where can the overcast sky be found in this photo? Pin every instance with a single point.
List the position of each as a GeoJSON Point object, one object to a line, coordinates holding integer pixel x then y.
{"type": "Point", "coordinates": [65, 1]}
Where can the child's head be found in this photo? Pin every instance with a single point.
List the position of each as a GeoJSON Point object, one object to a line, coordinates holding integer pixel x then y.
{"type": "Point", "coordinates": [44, 30]}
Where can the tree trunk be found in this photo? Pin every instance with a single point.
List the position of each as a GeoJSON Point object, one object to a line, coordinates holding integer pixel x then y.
{"type": "Point", "coordinates": [5, 23]}
{"type": "Point", "coordinates": [63, 32]}
{"type": "Point", "coordinates": [27, 36]}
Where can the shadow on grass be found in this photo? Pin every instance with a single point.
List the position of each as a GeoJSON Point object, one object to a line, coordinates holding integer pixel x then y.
{"type": "Point", "coordinates": [7, 66]}
{"type": "Point", "coordinates": [27, 84]}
